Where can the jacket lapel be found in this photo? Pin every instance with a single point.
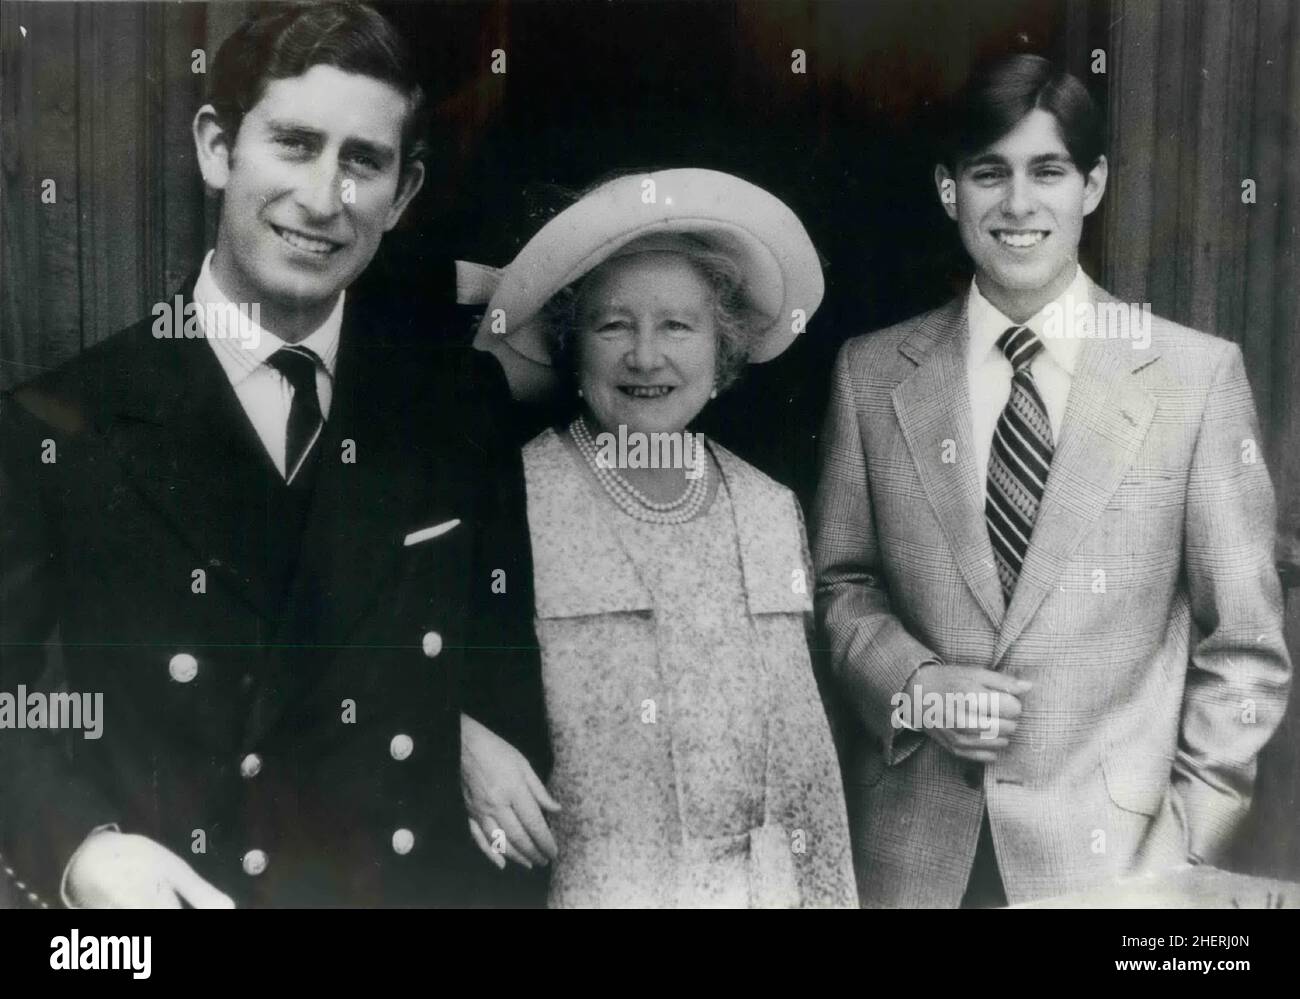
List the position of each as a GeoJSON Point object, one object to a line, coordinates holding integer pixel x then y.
{"type": "Point", "coordinates": [934, 414]}
{"type": "Point", "coordinates": [570, 534]}
{"type": "Point", "coordinates": [352, 541]}
{"type": "Point", "coordinates": [578, 535]}
{"type": "Point", "coordinates": [1106, 419]}
{"type": "Point", "coordinates": [774, 562]}
{"type": "Point", "coordinates": [361, 508]}
{"type": "Point", "coordinates": [180, 432]}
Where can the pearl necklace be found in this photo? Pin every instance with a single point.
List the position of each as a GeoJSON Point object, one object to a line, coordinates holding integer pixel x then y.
{"type": "Point", "coordinates": [629, 498]}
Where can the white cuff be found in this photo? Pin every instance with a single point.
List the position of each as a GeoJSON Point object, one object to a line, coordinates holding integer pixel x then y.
{"type": "Point", "coordinates": [63, 881]}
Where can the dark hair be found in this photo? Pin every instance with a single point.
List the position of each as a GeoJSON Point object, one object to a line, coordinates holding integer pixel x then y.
{"type": "Point", "coordinates": [734, 319]}
{"type": "Point", "coordinates": [1000, 95]}
{"type": "Point", "coordinates": [287, 40]}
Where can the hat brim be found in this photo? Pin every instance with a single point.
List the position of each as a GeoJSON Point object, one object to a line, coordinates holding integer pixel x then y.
{"type": "Point", "coordinates": [782, 276]}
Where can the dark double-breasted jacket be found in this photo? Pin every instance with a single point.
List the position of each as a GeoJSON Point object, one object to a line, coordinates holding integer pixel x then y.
{"type": "Point", "coordinates": [282, 670]}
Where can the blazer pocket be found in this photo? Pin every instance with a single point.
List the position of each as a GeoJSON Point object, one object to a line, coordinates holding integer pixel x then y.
{"type": "Point", "coordinates": [588, 598]}
{"type": "Point", "coordinates": [1136, 781]}
{"type": "Point", "coordinates": [448, 549]}
{"type": "Point", "coordinates": [1148, 490]}
{"type": "Point", "coordinates": [431, 532]}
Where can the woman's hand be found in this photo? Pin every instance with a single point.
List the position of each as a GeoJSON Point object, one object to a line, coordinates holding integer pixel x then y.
{"type": "Point", "coordinates": [504, 798]}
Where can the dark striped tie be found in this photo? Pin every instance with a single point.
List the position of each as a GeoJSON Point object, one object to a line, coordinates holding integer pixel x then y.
{"type": "Point", "coordinates": [298, 366]}
{"type": "Point", "coordinates": [1019, 460]}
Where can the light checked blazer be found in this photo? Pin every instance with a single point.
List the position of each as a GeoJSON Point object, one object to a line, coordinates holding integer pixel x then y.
{"type": "Point", "coordinates": [1147, 613]}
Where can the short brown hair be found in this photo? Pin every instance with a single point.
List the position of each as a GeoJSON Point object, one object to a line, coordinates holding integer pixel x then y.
{"type": "Point", "coordinates": [1001, 94]}
{"type": "Point", "coordinates": [286, 40]}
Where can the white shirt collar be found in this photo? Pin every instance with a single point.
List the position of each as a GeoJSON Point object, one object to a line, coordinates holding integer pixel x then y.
{"type": "Point", "coordinates": [241, 357]}
{"type": "Point", "coordinates": [987, 322]}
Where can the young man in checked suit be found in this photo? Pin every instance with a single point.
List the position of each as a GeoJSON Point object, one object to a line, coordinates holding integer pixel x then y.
{"type": "Point", "coordinates": [1078, 530]}
{"type": "Point", "coordinates": [294, 563]}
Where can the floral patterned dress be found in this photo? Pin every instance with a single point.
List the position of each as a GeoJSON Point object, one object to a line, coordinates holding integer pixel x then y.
{"type": "Point", "coordinates": [693, 760]}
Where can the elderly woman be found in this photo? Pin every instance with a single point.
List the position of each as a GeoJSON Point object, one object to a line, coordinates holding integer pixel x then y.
{"type": "Point", "coordinates": [693, 760]}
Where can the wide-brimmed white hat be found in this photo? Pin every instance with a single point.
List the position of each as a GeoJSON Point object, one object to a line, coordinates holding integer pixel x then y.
{"type": "Point", "coordinates": [782, 275]}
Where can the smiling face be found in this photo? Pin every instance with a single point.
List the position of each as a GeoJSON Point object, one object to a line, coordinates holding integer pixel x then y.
{"type": "Point", "coordinates": [647, 346]}
{"type": "Point", "coordinates": [313, 182]}
{"type": "Point", "coordinates": [1019, 207]}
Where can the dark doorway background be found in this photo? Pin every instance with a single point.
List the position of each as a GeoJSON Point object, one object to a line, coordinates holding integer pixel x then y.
{"type": "Point", "coordinates": [596, 87]}
{"type": "Point", "coordinates": [1200, 93]}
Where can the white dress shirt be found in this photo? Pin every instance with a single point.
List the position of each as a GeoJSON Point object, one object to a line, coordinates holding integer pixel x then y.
{"type": "Point", "coordinates": [988, 372]}
{"type": "Point", "coordinates": [265, 394]}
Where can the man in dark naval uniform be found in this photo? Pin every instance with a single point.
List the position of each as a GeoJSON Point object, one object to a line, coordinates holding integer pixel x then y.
{"type": "Point", "coordinates": [283, 539]}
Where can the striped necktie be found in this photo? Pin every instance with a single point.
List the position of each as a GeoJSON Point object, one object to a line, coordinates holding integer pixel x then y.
{"type": "Point", "coordinates": [1019, 460]}
{"type": "Point", "coordinates": [298, 367]}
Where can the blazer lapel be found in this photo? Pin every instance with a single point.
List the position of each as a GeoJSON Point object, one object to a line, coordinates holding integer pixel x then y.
{"type": "Point", "coordinates": [188, 447]}
{"type": "Point", "coordinates": [360, 509]}
{"type": "Point", "coordinates": [1106, 419]}
{"type": "Point", "coordinates": [360, 512]}
{"type": "Point", "coordinates": [934, 413]}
